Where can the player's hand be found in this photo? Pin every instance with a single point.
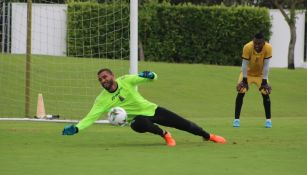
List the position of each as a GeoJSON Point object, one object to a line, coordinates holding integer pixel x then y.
{"type": "Point", "coordinates": [147, 74]}
{"type": "Point", "coordinates": [265, 88]}
{"type": "Point", "coordinates": [242, 87]}
{"type": "Point", "coordinates": [70, 130]}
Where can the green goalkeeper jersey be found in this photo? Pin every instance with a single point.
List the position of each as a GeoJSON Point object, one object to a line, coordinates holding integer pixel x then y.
{"type": "Point", "coordinates": [125, 96]}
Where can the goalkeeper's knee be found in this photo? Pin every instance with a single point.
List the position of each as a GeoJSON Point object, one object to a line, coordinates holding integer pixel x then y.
{"type": "Point", "coordinates": [140, 124]}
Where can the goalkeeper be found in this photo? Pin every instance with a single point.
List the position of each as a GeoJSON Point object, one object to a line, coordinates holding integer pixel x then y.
{"type": "Point", "coordinates": [255, 69]}
{"type": "Point", "coordinates": [142, 114]}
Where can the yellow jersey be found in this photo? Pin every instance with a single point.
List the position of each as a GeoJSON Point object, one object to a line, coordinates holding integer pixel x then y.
{"type": "Point", "coordinates": [255, 65]}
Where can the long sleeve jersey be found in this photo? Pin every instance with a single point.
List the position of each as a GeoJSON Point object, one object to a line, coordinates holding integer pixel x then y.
{"type": "Point", "coordinates": [125, 96]}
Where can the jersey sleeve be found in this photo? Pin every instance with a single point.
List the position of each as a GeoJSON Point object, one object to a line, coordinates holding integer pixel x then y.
{"type": "Point", "coordinates": [135, 79]}
{"type": "Point", "coordinates": [246, 52]}
{"type": "Point", "coordinates": [100, 107]}
{"type": "Point", "coordinates": [268, 52]}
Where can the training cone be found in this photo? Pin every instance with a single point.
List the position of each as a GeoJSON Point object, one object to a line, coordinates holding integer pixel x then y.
{"type": "Point", "coordinates": [40, 112]}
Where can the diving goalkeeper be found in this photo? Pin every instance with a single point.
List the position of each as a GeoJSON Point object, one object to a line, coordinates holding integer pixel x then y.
{"type": "Point", "coordinates": [143, 115]}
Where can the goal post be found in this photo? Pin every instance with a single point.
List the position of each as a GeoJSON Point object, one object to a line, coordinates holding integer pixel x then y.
{"type": "Point", "coordinates": [28, 58]}
{"type": "Point", "coordinates": [133, 36]}
{"type": "Point", "coordinates": [60, 54]}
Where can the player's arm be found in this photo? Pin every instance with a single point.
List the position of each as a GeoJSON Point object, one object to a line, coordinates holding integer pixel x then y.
{"type": "Point", "coordinates": [265, 88]}
{"type": "Point", "coordinates": [97, 110]}
{"type": "Point", "coordinates": [244, 68]}
{"type": "Point", "coordinates": [142, 77]}
{"type": "Point", "coordinates": [243, 85]}
{"type": "Point", "coordinates": [266, 68]}
{"type": "Point", "coordinates": [266, 62]}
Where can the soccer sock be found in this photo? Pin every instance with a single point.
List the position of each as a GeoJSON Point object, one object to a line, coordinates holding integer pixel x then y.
{"type": "Point", "coordinates": [164, 133]}
{"type": "Point", "coordinates": [155, 129]}
{"type": "Point", "coordinates": [206, 135]}
{"type": "Point", "coordinates": [267, 106]}
{"type": "Point", "coordinates": [197, 130]}
{"type": "Point", "coordinates": [239, 102]}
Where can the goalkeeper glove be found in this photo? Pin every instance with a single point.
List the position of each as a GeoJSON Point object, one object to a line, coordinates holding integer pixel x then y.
{"type": "Point", "coordinates": [242, 87]}
{"type": "Point", "coordinates": [147, 74]}
{"type": "Point", "coordinates": [265, 88]}
{"type": "Point", "coordinates": [70, 130]}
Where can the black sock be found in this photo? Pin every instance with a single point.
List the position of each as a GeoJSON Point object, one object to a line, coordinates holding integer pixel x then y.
{"type": "Point", "coordinates": [267, 106]}
{"type": "Point", "coordinates": [239, 102]}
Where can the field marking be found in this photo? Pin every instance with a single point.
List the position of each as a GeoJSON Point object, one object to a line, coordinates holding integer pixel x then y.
{"type": "Point", "coordinates": [50, 120]}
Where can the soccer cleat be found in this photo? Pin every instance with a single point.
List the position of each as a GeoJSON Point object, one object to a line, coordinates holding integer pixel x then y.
{"type": "Point", "coordinates": [236, 123]}
{"type": "Point", "coordinates": [268, 124]}
{"type": "Point", "coordinates": [217, 139]}
{"type": "Point", "coordinates": [169, 140]}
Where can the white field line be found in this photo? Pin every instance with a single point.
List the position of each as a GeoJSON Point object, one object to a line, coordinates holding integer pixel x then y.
{"type": "Point", "coordinates": [49, 120]}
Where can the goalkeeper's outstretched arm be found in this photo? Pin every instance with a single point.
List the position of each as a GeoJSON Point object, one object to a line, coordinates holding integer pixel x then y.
{"type": "Point", "coordinates": [97, 110]}
{"type": "Point", "coordinates": [142, 77]}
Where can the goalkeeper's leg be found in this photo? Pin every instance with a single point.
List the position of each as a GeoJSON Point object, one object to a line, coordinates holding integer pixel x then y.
{"type": "Point", "coordinates": [167, 118]}
{"type": "Point", "coordinates": [267, 109]}
{"type": "Point", "coordinates": [238, 106]}
{"type": "Point", "coordinates": [267, 106]}
{"type": "Point", "coordinates": [239, 103]}
{"type": "Point", "coordinates": [143, 124]}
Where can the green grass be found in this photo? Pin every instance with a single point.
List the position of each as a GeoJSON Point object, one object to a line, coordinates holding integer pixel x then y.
{"type": "Point", "coordinates": [202, 93]}
{"type": "Point", "coordinates": [38, 148]}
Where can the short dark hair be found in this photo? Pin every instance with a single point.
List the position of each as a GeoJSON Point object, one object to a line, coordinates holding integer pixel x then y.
{"type": "Point", "coordinates": [105, 69]}
{"type": "Point", "coordinates": [259, 36]}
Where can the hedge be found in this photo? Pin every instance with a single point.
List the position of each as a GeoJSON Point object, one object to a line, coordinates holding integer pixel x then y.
{"type": "Point", "coordinates": [183, 33]}
{"type": "Point", "coordinates": [200, 34]}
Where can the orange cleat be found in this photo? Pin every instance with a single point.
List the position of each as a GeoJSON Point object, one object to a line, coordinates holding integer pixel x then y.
{"type": "Point", "coordinates": [217, 139]}
{"type": "Point", "coordinates": [169, 140]}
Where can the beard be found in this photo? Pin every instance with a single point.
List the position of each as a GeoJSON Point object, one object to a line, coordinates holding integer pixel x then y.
{"type": "Point", "coordinates": [108, 85]}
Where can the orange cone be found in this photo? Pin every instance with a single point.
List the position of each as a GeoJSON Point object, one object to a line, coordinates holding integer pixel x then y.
{"type": "Point", "coordinates": [40, 112]}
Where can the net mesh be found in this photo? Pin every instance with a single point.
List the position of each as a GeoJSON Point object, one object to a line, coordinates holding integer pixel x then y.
{"type": "Point", "coordinates": [70, 42]}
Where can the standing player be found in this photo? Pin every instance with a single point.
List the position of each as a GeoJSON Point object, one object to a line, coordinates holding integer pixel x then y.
{"type": "Point", "coordinates": [255, 69]}
{"type": "Point", "coordinates": [142, 114]}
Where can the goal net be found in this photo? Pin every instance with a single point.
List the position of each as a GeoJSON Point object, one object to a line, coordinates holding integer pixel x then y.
{"type": "Point", "coordinates": [57, 53]}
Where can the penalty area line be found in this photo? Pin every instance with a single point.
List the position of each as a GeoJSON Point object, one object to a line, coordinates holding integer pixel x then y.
{"type": "Point", "coordinates": [50, 120]}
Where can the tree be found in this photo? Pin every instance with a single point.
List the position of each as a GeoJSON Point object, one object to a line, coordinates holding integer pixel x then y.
{"type": "Point", "coordinates": [291, 21]}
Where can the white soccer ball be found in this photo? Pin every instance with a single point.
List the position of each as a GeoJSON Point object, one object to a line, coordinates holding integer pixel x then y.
{"type": "Point", "coordinates": [117, 116]}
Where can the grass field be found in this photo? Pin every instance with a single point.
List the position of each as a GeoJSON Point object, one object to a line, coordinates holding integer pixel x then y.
{"type": "Point", "coordinates": [202, 93]}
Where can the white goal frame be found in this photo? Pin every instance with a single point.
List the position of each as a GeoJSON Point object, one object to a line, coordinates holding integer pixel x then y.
{"type": "Point", "coordinates": [133, 57]}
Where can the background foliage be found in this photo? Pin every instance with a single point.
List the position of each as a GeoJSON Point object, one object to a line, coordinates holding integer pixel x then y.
{"type": "Point", "coordinates": [170, 33]}
{"type": "Point", "coordinates": [200, 34]}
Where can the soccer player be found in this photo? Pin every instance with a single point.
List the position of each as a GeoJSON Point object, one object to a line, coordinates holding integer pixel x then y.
{"type": "Point", "coordinates": [255, 70]}
{"type": "Point", "coordinates": [142, 114]}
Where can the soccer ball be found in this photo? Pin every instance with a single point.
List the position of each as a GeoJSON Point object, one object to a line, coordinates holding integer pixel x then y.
{"type": "Point", "coordinates": [117, 116]}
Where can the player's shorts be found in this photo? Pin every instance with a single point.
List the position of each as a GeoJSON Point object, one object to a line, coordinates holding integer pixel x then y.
{"type": "Point", "coordinates": [251, 80]}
